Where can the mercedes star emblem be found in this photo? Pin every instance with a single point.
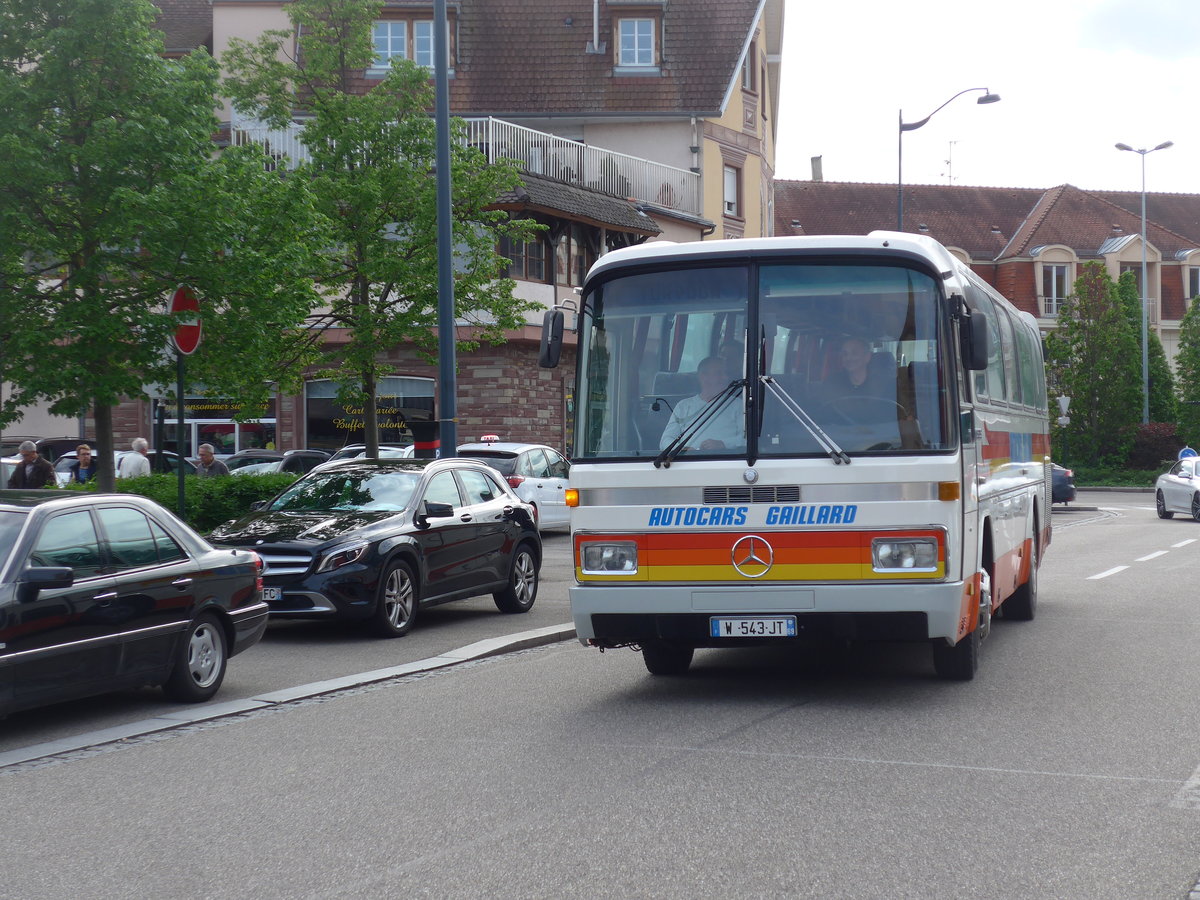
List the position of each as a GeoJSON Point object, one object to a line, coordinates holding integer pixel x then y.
{"type": "Point", "coordinates": [752, 556]}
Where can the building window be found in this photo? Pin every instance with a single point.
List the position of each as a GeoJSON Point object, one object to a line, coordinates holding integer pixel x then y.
{"type": "Point", "coordinates": [733, 191]}
{"type": "Point", "coordinates": [391, 42]}
{"type": "Point", "coordinates": [403, 39]}
{"type": "Point", "coordinates": [527, 261]}
{"type": "Point", "coordinates": [423, 43]}
{"type": "Point", "coordinates": [1054, 288]}
{"type": "Point", "coordinates": [1136, 269]}
{"type": "Point", "coordinates": [1193, 282]}
{"type": "Point", "coordinates": [636, 42]}
{"type": "Point", "coordinates": [573, 257]}
{"type": "Point", "coordinates": [748, 70]}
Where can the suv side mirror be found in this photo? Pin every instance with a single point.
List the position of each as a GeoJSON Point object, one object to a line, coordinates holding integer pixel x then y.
{"type": "Point", "coordinates": [431, 509]}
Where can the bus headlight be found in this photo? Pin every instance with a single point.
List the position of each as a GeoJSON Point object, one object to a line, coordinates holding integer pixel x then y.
{"type": "Point", "coordinates": [608, 558]}
{"type": "Point", "coordinates": [904, 554]}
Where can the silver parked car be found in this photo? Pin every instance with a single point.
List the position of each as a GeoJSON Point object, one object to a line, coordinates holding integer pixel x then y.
{"type": "Point", "coordinates": [1178, 489]}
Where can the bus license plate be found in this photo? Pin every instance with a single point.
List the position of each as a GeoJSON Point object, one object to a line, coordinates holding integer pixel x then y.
{"type": "Point", "coordinates": [272, 595]}
{"type": "Point", "coordinates": [757, 626]}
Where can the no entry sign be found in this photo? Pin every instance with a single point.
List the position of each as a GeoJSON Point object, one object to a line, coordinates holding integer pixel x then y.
{"type": "Point", "coordinates": [187, 332]}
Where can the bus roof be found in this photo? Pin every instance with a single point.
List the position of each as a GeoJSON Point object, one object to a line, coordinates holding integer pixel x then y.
{"type": "Point", "coordinates": [884, 241]}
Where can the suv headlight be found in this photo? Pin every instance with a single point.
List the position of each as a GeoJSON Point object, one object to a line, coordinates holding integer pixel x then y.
{"type": "Point", "coordinates": [608, 558]}
{"type": "Point", "coordinates": [343, 556]}
{"type": "Point", "coordinates": [904, 554]}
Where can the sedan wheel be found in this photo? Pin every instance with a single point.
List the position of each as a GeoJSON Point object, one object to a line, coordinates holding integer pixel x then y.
{"type": "Point", "coordinates": [1196, 506]}
{"type": "Point", "coordinates": [396, 608]}
{"type": "Point", "coordinates": [522, 587]}
{"type": "Point", "coordinates": [200, 662]}
{"type": "Point", "coordinates": [1160, 505]}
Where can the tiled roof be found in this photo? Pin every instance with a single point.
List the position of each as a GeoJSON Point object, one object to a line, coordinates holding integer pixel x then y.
{"type": "Point", "coordinates": [186, 24]}
{"type": "Point", "coordinates": [543, 195]}
{"type": "Point", "coordinates": [990, 223]}
{"type": "Point", "coordinates": [529, 57]}
{"type": "Point", "coordinates": [980, 220]}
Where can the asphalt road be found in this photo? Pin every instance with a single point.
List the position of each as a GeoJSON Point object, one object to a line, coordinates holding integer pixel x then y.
{"type": "Point", "coordinates": [1069, 768]}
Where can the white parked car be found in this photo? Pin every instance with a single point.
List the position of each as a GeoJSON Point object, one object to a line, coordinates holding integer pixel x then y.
{"type": "Point", "coordinates": [536, 473]}
{"type": "Point", "coordinates": [1178, 489]}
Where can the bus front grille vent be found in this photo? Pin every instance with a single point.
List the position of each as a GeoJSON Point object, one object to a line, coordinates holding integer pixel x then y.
{"type": "Point", "coordinates": [786, 493]}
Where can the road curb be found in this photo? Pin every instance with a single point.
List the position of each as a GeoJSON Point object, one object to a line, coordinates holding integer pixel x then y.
{"type": "Point", "coordinates": [511, 643]}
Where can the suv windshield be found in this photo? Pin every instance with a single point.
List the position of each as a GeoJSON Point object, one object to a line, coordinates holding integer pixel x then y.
{"type": "Point", "coordinates": [330, 491]}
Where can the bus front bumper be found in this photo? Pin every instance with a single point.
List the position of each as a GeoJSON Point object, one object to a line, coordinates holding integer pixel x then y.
{"type": "Point", "coordinates": [607, 615]}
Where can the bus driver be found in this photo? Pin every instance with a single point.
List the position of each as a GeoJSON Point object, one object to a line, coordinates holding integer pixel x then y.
{"type": "Point", "coordinates": [726, 430]}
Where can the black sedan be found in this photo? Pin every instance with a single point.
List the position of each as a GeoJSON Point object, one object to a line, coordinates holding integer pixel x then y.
{"type": "Point", "coordinates": [102, 592]}
{"type": "Point", "coordinates": [1062, 484]}
{"type": "Point", "coordinates": [377, 540]}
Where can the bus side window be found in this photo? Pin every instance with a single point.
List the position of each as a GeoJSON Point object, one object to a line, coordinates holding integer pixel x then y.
{"type": "Point", "coordinates": [1012, 383]}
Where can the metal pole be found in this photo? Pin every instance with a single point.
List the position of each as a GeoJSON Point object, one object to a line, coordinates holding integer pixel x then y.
{"type": "Point", "coordinates": [162, 452]}
{"type": "Point", "coordinates": [1145, 313]}
{"type": "Point", "coordinates": [448, 388]}
{"type": "Point", "coordinates": [900, 171]}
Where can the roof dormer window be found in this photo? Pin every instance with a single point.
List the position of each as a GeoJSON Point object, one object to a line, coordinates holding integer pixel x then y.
{"type": "Point", "coordinates": [404, 38]}
{"type": "Point", "coordinates": [635, 42]}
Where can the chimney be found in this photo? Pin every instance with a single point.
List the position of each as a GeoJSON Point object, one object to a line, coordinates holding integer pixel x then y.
{"type": "Point", "coordinates": [817, 174]}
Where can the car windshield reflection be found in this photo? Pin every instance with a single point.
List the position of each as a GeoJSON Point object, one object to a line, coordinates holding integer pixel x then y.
{"type": "Point", "coordinates": [381, 491]}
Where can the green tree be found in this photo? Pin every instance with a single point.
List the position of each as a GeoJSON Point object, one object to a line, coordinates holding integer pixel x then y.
{"type": "Point", "coordinates": [111, 195]}
{"type": "Point", "coordinates": [1164, 405]}
{"type": "Point", "coordinates": [1187, 362]}
{"type": "Point", "coordinates": [1094, 358]}
{"type": "Point", "coordinates": [371, 159]}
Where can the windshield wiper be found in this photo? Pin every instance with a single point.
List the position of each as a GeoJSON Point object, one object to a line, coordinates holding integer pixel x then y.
{"type": "Point", "coordinates": [710, 410]}
{"type": "Point", "coordinates": [836, 453]}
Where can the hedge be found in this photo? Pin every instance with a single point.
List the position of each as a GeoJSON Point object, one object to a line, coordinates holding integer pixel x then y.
{"type": "Point", "coordinates": [207, 501]}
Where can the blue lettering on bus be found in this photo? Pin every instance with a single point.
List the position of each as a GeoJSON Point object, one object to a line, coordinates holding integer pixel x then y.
{"type": "Point", "coordinates": [692, 516]}
{"type": "Point", "coordinates": [726, 516]}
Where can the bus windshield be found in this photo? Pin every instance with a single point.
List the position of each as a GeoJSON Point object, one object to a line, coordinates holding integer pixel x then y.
{"type": "Point", "coordinates": [795, 358]}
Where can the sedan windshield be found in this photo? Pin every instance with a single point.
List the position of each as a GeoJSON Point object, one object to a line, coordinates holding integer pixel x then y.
{"type": "Point", "coordinates": [386, 491]}
{"type": "Point", "coordinates": [10, 527]}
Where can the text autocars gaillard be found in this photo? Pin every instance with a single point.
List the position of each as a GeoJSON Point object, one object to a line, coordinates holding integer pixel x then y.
{"type": "Point", "coordinates": [536, 473]}
{"type": "Point", "coordinates": [101, 592]}
{"type": "Point", "coordinates": [1178, 489]}
{"type": "Point", "coordinates": [377, 540]}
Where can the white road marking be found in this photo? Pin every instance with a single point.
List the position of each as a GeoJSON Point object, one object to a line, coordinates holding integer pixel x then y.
{"type": "Point", "coordinates": [1188, 796]}
{"type": "Point", "coordinates": [1112, 571]}
{"type": "Point", "coordinates": [1185, 543]}
{"type": "Point", "coordinates": [1154, 555]}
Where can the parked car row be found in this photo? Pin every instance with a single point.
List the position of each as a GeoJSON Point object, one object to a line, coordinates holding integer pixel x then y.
{"type": "Point", "coordinates": [102, 592]}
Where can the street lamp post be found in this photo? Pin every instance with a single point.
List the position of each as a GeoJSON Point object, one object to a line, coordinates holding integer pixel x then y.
{"type": "Point", "coordinates": [988, 97]}
{"type": "Point", "coordinates": [1145, 300]}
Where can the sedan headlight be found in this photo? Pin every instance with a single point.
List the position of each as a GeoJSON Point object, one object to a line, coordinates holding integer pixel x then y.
{"type": "Point", "coordinates": [608, 558]}
{"type": "Point", "coordinates": [343, 556]}
{"type": "Point", "coordinates": [904, 555]}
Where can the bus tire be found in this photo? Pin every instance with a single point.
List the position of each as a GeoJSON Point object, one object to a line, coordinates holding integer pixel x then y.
{"type": "Point", "coordinates": [1021, 606]}
{"type": "Point", "coordinates": [1160, 506]}
{"type": "Point", "coordinates": [958, 662]}
{"type": "Point", "coordinates": [666, 658]}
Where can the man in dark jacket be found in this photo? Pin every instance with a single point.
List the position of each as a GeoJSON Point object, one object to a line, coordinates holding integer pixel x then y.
{"type": "Point", "coordinates": [33, 471]}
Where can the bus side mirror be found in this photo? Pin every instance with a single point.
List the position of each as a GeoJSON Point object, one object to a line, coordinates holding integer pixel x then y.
{"type": "Point", "coordinates": [975, 344]}
{"type": "Point", "coordinates": [552, 335]}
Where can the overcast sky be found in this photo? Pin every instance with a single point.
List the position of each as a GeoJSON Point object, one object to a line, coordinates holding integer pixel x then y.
{"type": "Point", "coordinates": [1075, 78]}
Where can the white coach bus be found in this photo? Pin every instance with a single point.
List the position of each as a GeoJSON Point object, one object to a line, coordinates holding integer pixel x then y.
{"type": "Point", "coordinates": [779, 437]}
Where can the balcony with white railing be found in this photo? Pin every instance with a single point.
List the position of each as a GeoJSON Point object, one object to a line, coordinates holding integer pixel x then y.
{"type": "Point", "coordinates": [539, 153]}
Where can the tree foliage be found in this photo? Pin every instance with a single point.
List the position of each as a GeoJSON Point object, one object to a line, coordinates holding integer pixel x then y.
{"type": "Point", "coordinates": [371, 162]}
{"type": "Point", "coordinates": [1094, 358]}
{"type": "Point", "coordinates": [111, 195]}
{"type": "Point", "coordinates": [1164, 405]}
{"type": "Point", "coordinates": [1187, 363]}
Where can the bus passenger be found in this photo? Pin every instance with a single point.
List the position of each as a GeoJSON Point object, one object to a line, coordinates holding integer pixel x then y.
{"type": "Point", "coordinates": [726, 430]}
{"type": "Point", "coordinates": [856, 376]}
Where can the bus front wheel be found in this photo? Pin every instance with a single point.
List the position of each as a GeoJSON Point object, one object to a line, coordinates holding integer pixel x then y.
{"type": "Point", "coordinates": [666, 658]}
{"type": "Point", "coordinates": [958, 662]}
